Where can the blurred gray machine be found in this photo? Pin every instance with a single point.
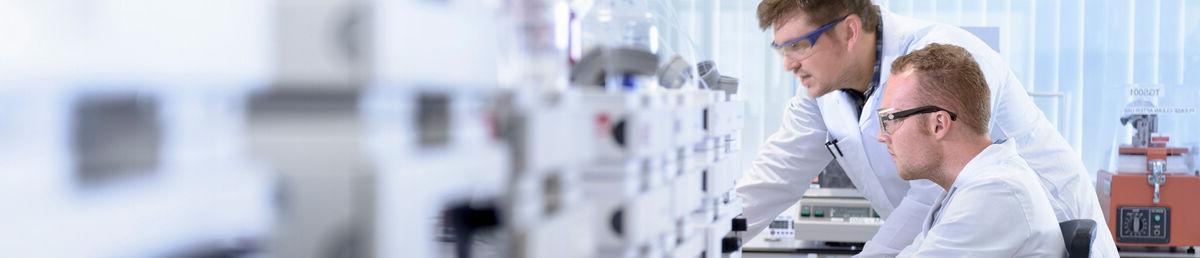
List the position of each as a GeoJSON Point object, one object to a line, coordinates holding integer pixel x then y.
{"type": "Point", "coordinates": [310, 140]}
{"type": "Point", "coordinates": [116, 157]}
{"type": "Point", "coordinates": [476, 158]}
{"type": "Point", "coordinates": [306, 127]}
{"type": "Point", "coordinates": [383, 130]}
{"type": "Point", "coordinates": [385, 146]}
{"type": "Point", "coordinates": [115, 136]}
{"type": "Point", "coordinates": [662, 180]}
{"type": "Point", "coordinates": [613, 166]}
{"type": "Point", "coordinates": [375, 144]}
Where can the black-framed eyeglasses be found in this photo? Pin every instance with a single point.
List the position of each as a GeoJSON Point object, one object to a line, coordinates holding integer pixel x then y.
{"type": "Point", "coordinates": [798, 47]}
{"type": "Point", "coordinates": [888, 117]}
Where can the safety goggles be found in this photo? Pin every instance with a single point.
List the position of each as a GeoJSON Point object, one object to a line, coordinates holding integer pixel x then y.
{"type": "Point", "coordinates": [888, 118]}
{"type": "Point", "coordinates": [799, 47]}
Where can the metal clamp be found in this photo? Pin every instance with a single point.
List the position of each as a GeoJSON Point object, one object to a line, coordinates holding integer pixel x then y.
{"type": "Point", "coordinates": [1156, 176]}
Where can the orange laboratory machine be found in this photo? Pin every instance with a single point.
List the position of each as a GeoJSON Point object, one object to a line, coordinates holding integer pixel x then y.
{"type": "Point", "coordinates": [1153, 197]}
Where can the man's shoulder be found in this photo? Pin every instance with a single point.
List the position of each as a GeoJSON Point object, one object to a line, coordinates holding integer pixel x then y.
{"type": "Point", "coordinates": [1008, 182]}
{"type": "Point", "coordinates": [999, 162]}
{"type": "Point", "coordinates": [946, 34]}
{"type": "Point", "coordinates": [1006, 192]}
{"type": "Point", "coordinates": [802, 102]}
{"type": "Point", "coordinates": [921, 32]}
{"type": "Point", "coordinates": [996, 181]}
{"type": "Point", "coordinates": [1010, 171]}
{"type": "Point", "coordinates": [917, 33]}
{"type": "Point", "coordinates": [1005, 173]}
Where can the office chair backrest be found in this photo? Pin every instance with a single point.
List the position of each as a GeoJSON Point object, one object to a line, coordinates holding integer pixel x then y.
{"type": "Point", "coordinates": [1078, 235]}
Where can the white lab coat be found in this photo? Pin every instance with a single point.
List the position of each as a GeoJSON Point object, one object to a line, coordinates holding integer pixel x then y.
{"type": "Point", "coordinates": [796, 153]}
{"type": "Point", "coordinates": [995, 208]}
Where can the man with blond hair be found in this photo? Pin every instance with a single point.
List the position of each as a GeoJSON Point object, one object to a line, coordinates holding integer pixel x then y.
{"type": "Point", "coordinates": [933, 118]}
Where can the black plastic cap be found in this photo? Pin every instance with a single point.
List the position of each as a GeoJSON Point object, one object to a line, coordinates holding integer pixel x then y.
{"type": "Point", "coordinates": [730, 244]}
{"type": "Point", "coordinates": [740, 224]}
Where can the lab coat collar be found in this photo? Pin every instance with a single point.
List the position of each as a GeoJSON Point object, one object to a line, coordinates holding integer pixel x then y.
{"type": "Point", "coordinates": [996, 152]}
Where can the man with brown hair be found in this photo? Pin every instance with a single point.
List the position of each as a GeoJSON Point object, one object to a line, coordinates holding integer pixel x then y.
{"type": "Point", "coordinates": [841, 51]}
{"type": "Point", "coordinates": [933, 118]}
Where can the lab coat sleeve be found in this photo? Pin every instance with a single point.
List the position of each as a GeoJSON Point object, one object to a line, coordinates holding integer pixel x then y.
{"type": "Point", "coordinates": [785, 166]}
{"type": "Point", "coordinates": [905, 222]}
{"type": "Point", "coordinates": [983, 220]}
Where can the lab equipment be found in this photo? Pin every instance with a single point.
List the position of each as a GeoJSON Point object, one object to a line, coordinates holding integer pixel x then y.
{"type": "Point", "coordinates": [1147, 198]}
{"type": "Point", "coordinates": [545, 198]}
{"type": "Point", "coordinates": [784, 227]}
{"type": "Point", "coordinates": [360, 141]}
{"type": "Point", "coordinates": [664, 168]}
{"type": "Point", "coordinates": [831, 218]}
{"type": "Point", "coordinates": [619, 23]}
{"type": "Point", "coordinates": [101, 159]}
{"type": "Point", "coordinates": [616, 69]}
{"type": "Point", "coordinates": [519, 195]}
{"type": "Point", "coordinates": [126, 122]}
{"type": "Point", "coordinates": [310, 141]}
{"type": "Point", "coordinates": [713, 79]}
{"type": "Point", "coordinates": [836, 215]}
{"type": "Point", "coordinates": [674, 73]}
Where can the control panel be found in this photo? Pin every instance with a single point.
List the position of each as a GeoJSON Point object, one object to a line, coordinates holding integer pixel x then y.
{"type": "Point", "coordinates": [836, 215]}
{"type": "Point", "coordinates": [1144, 224]}
{"type": "Point", "coordinates": [836, 212]}
{"type": "Point", "coordinates": [783, 227]}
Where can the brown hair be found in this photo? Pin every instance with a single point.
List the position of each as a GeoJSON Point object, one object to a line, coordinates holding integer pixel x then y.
{"type": "Point", "coordinates": [947, 76]}
{"type": "Point", "coordinates": [819, 11]}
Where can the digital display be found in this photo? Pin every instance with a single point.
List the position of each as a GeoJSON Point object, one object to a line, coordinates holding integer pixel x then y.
{"type": "Point", "coordinates": [779, 224]}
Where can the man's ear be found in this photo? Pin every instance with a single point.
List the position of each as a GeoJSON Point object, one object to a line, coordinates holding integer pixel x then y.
{"type": "Point", "coordinates": [940, 125]}
{"type": "Point", "coordinates": [853, 28]}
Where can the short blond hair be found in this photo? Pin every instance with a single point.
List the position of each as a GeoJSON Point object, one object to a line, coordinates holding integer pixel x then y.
{"type": "Point", "coordinates": [949, 77]}
{"type": "Point", "coordinates": [771, 12]}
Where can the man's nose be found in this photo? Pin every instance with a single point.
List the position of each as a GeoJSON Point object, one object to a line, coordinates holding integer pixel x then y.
{"type": "Point", "coordinates": [790, 64]}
